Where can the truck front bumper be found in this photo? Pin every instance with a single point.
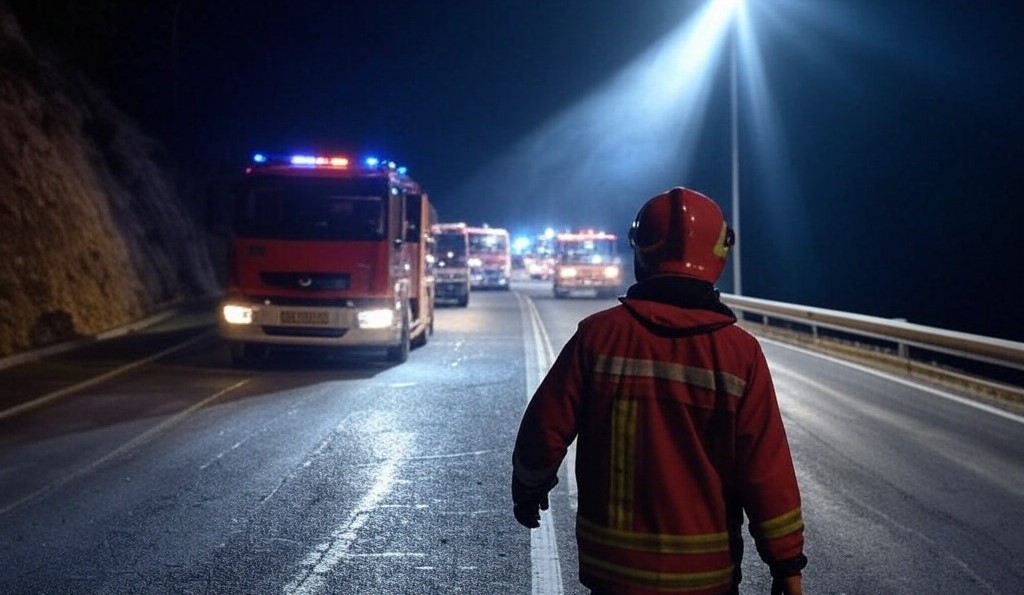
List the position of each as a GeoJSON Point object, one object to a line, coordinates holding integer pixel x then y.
{"type": "Point", "coordinates": [309, 325]}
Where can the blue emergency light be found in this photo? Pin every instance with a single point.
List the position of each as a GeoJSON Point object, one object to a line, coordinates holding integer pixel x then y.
{"type": "Point", "coordinates": [333, 161]}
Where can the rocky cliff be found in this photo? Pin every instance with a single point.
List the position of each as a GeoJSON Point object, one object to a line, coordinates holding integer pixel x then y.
{"type": "Point", "coordinates": [93, 232]}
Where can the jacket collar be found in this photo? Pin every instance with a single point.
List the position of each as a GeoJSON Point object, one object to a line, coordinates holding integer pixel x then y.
{"type": "Point", "coordinates": [682, 292]}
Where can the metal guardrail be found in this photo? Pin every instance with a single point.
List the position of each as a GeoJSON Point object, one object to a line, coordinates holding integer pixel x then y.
{"type": "Point", "coordinates": [902, 335]}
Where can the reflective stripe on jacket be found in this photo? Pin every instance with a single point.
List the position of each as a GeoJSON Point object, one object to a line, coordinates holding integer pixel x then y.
{"type": "Point", "coordinates": [678, 433]}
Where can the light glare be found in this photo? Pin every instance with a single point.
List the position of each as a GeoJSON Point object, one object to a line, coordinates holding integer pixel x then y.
{"type": "Point", "coordinates": [234, 314]}
{"type": "Point", "coordinates": [376, 319]}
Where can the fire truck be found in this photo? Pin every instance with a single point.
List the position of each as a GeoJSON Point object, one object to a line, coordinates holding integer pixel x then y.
{"type": "Point", "coordinates": [540, 262]}
{"type": "Point", "coordinates": [490, 257]}
{"type": "Point", "coordinates": [451, 262]}
{"type": "Point", "coordinates": [587, 262]}
{"type": "Point", "coordinates": [326, 252]}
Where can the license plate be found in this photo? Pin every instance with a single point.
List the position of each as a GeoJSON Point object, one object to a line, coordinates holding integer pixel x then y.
{"type": "Point", "coordinates": [305, 317]}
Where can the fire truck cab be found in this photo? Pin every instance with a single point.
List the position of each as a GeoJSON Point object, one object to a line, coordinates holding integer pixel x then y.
{"type": "Point", "coordinates": [490, 258]}
{"type": "Point", "coordinates": [451, 262]}
{"type": "Point", "coordinates": [587, 262]}
{"type": "Point", "coordinates": [325, 252]}
{"type": "Point", "coordinates": [540, 261]}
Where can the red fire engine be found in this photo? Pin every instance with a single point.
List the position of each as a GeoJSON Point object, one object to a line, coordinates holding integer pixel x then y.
{"type": "Point", "coordinates": [451, 262]}
{"type": "Point", "coordinates": [490, 257]}
{"type": "Point", "coordinates": [539, 262]}
{"type": "Point", "coordinates": [587, 262]}
{"type": "Point", "coordinates": [326, 252]}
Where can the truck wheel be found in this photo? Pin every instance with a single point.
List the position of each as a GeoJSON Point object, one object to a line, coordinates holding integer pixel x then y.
{"type": "Point", "coordinates": [400, 353]}
{"type": "Point", "coordinates": [424, 336]}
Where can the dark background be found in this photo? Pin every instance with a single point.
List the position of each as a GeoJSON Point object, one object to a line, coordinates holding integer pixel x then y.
{"type": "Point", "coordinates": [893, 187]}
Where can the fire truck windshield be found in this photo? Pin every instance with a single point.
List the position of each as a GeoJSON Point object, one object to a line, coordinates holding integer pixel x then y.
{"type": "Point", "coordinates": [311, 209]}
{"type": "Point", "coordinates": [483, 243]}
{"type": "Point", "coordinates": [450, 249]}
{"type": "Point", "coordinates": [586, 251]}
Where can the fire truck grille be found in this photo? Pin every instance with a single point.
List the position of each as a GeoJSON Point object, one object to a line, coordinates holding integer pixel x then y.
{"type": "Point", "coordinates": [590, 274]}
{"type": "Point", "coordinates": [301, 331]}
{"type": "Point", "coordinates": [310, 281]}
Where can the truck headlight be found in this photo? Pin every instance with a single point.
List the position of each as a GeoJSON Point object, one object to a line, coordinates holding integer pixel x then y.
{"type": "Point", "coordinates": [235, 314]}
{"type": "Point", "coordinates": [567, 272]}
{"type": "Point", "coordinates": [476, 262]}
{"type": "Point", "coordinates": [611, 272]}
{"type": "Point", "coordinates": [370, 319]}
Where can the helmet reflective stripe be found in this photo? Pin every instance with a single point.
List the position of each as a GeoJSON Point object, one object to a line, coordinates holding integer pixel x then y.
{"type": "Point", "coordinates": [725, 241]}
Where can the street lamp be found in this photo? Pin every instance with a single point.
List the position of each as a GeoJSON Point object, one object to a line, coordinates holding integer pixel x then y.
{"type": "Point", "coordinates": [737, 282]}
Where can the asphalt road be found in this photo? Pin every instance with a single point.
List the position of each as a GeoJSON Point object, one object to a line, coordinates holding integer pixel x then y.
{"type": "Point", "coordinates": [346, 475]}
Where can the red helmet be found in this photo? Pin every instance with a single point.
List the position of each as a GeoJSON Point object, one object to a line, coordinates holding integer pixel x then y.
{"type": "Point", "coordinates": [681, 232]}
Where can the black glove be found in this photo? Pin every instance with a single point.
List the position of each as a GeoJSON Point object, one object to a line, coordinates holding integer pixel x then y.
{"type": "Point", "coordinates": [528, 502]}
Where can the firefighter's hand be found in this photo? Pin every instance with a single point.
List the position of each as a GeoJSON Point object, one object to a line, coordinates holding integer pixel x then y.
{"type": "Point", "coordinates": [528, 513]}
{"type": "Point", "coordinates": [786, 576]}
{"type": "Point", "coordinates": [790, 585]}
{"type": "Point", "coordinates": [527, 502]}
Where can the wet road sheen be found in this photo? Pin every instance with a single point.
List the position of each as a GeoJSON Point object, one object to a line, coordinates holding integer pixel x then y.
{"type": "Point", "coordinates": [345, 475]}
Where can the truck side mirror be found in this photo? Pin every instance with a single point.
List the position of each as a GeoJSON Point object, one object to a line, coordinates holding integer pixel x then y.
{"type": "Point", "coordinates": [413, 215]}
{"type": "Point", "coordinates": [412, 232]}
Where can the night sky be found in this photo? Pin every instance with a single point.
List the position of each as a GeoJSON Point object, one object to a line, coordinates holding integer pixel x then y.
{"type": "Point", "coordinates": [888, 182]}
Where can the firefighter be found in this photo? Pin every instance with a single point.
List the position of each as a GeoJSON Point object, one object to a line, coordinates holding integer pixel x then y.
{"type": "Point", "coordinates": [678, 428]}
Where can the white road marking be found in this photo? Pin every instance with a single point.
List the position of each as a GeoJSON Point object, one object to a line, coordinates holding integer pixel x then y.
{"type": "Point", "coordinates": [546, 569]}
{"type": "Point", "coordinates": [882, 374]}
{"type": "Point", "coordinates": [57, 394]}
{"type": "Point", "coordinates": [124, 448]}
{"type": "Point", "coordinates": [326, 556]}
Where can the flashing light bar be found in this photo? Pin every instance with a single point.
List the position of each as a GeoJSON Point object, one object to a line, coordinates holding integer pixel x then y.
{"type": "Point", "coordinates": [337, 161]}
{"type": "Point", "coordinates": [318, 161]}
{"type": "Point", "coordinates": [585, 235]}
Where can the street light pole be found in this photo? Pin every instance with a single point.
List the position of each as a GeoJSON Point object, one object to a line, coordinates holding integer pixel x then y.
{"type": "Point", "coordinates": [736, 280]}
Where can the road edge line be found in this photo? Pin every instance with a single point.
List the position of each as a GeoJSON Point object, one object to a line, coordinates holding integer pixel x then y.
{"type": "Point", "coordinates": [63, 392]}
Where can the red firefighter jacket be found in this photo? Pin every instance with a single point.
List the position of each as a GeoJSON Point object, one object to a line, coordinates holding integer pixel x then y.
{"type": "Point", "coordinates": [678, 433]}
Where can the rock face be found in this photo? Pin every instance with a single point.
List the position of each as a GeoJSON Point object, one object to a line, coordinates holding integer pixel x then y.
{"type": "Point", "coordinates": [93, 234]}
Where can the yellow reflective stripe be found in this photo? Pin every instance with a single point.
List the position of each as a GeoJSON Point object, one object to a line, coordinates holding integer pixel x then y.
{"type": "Point", "coordinates": [703, 543]}
{"type": "Point", "coordinates": [662, 581]}
{"type": "Point", "coordinates": [693, 376]}
{"type": "Point", "coordinates": [782, 525]}
{"type": "Point", "coordinates": [623, 450]}
{"type": "Point", "coordinates": [721, 250]}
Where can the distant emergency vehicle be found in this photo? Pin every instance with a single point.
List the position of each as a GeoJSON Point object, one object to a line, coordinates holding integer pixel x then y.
{"type": "Point", "coordinates": [587, 262]}
{"type": "Point", "coordinates": [451, 262]}
{"type": "Point", "coordinates": [540, 261]}
{"type": "Point", "coordinates": [490, 257]}
{"type": "Point", "coordinates": [328, 252]}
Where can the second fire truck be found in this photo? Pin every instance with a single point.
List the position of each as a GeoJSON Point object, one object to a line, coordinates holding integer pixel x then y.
{"type": "Point", "coordinates": [587, 262]}
{"type": "Point", "coordinates": [451, 262]}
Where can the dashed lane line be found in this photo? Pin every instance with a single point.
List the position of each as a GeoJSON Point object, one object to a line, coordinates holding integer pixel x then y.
{"type": "Point", "coordinates": [123, 449]}
{"type": "Point", "coordinates": [57, 394]}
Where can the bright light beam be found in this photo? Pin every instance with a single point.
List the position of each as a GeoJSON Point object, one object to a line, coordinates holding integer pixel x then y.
{"type": "Point", "coordinates": [624, 140]}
